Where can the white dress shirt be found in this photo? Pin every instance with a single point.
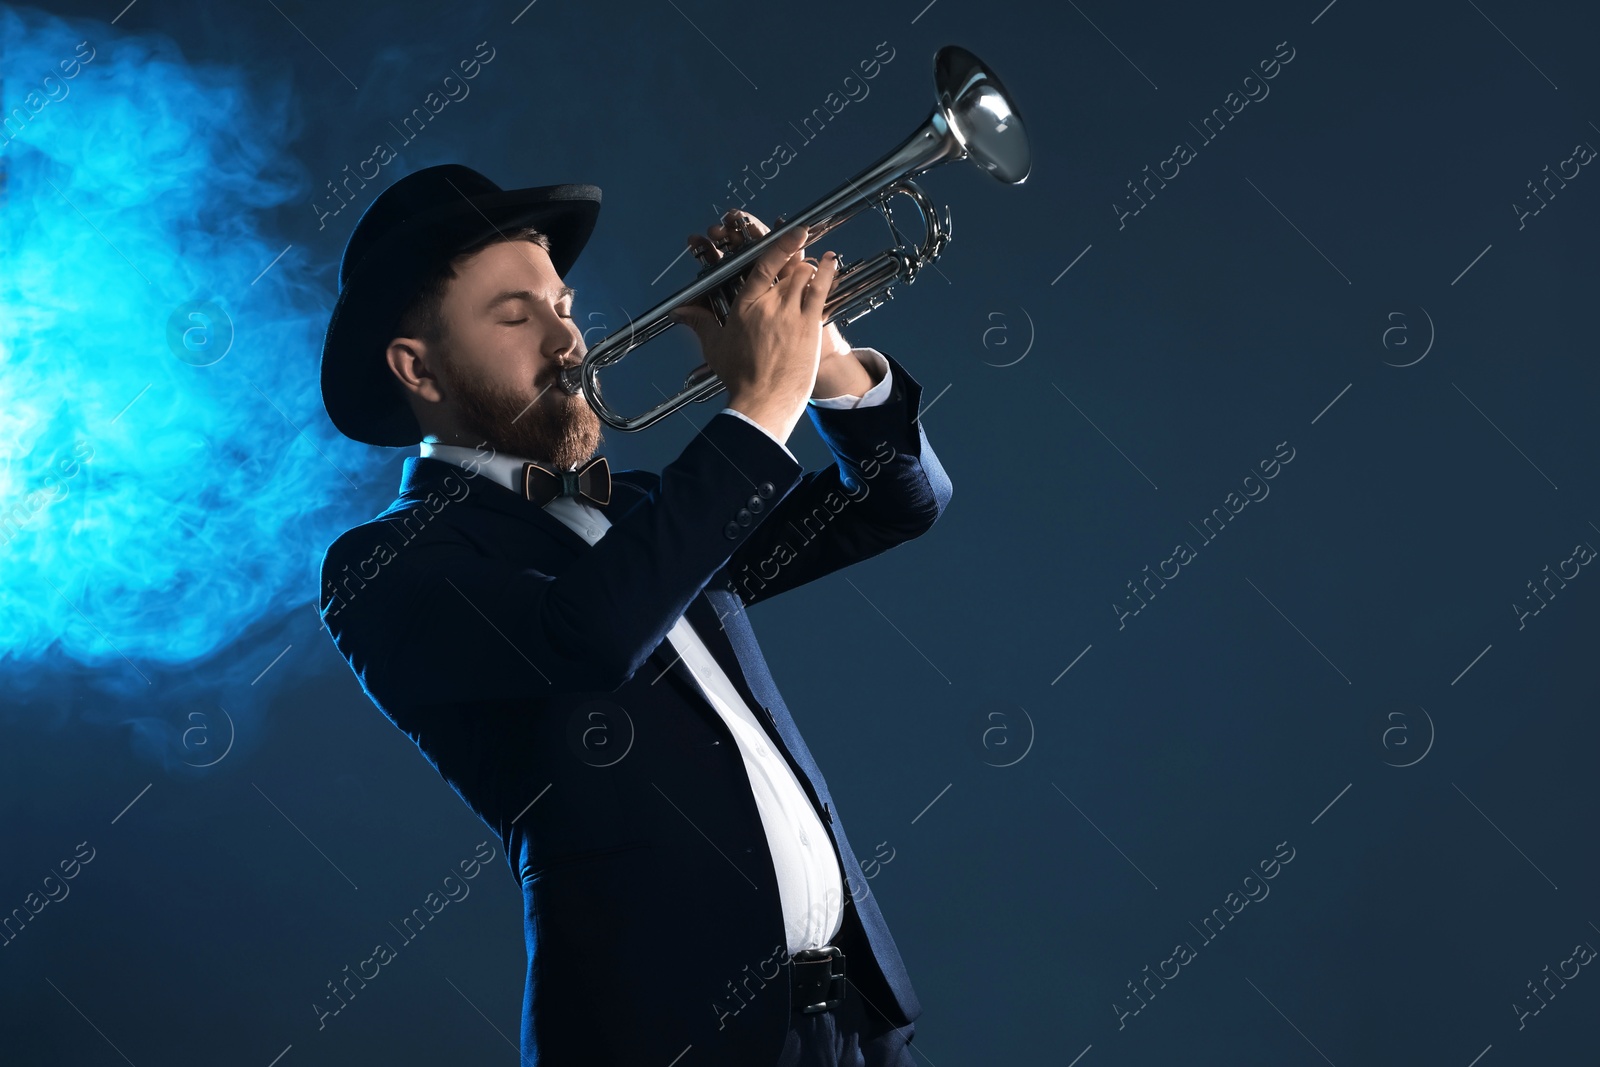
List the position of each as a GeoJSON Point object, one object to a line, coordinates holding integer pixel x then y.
{"type": "Point", "coordinates": [810, 882]}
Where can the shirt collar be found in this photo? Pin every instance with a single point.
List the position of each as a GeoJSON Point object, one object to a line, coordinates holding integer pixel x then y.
{"type": "Point", "coordinates": [504, 469]}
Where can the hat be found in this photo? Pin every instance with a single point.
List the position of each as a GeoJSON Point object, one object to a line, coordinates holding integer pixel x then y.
{"type": "Point", "coordinates": [412, 227]}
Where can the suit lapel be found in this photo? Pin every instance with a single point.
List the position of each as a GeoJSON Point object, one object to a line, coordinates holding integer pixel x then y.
{"type": "Point", "coordinates": [422, 477]}
{"type": "Point", "coordinates": [702, 614]}
{"type": "Point", "coordinates": [709, 614]}
{"type": "Point", "coordinates": [703, 617]}
{"type": "Point", "coordinates": [624, 494]}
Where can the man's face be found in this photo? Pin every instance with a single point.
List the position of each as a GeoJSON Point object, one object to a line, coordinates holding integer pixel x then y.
{"type": "Point", "coordinates": [509, 331]}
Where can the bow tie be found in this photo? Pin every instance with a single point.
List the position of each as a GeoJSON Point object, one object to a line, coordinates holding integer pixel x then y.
{"type": "Point", "coordinates": [590, 483]}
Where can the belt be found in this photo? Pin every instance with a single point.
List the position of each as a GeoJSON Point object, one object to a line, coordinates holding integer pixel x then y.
{"type": "Point", "coordinates": [816, 979]}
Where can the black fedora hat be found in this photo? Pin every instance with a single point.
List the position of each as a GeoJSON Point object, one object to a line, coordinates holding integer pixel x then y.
{"type": "Point", "coordinates": [408, 231]}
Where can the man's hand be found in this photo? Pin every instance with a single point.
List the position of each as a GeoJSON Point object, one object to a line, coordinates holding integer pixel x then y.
{"type": "Point", "coordinates": [767, 352]}
{"type": "Point", "coordinates": [839, 372]}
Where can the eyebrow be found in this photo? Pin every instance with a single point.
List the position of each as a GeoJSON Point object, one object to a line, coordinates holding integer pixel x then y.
{"type": "Point", "coordinates": [527, 294]}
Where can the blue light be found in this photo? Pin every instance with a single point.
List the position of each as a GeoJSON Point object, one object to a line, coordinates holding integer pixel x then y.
{"type": "Point", "coordinates": [168, 478]}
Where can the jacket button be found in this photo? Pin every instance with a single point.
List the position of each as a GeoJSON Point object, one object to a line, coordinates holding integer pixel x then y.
{"type": "Point", "coordinates": [731, 531]}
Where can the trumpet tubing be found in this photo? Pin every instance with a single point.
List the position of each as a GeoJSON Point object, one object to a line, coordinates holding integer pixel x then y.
{"type": "Point", "coordinates": [973, 118]}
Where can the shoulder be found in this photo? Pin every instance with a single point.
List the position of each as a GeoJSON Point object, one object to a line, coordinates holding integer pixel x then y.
{"type": "Point", "coordinates": [406, 531]}
{"type": "Point", "coordinates": [358, 541]}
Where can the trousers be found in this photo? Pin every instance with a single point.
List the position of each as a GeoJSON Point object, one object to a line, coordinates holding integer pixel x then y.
{"type": "Point", "coordinates": [851, 1035]}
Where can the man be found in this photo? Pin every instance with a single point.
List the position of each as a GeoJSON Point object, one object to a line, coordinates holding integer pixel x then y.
{"type": "Point", "coordinates": [570, 650]}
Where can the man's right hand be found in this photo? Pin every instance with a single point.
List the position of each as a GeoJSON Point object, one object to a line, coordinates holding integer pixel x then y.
{"type": "Point", "coordinates": [767, 353]}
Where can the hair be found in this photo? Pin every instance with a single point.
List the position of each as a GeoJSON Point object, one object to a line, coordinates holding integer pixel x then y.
{"type": "Point", "coordinates": [423, 317]}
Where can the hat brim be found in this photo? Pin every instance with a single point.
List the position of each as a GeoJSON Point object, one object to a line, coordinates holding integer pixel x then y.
{"type": "Point", "coordinates": [357, 386]}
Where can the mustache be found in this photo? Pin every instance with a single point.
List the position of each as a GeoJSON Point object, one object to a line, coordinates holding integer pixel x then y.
{"type": "Point", "coordinates": [561, 402]}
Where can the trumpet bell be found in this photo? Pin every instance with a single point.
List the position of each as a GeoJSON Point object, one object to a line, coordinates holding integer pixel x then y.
{"type": "Point", "coordinates": [981, 113]}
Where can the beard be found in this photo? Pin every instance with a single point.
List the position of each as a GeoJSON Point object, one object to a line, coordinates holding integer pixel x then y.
{"type": "Point", "coordinates": [551, 426]}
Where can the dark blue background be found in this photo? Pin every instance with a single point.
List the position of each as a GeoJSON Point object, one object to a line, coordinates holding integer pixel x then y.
{"type": "Point", "coordinates": [1177, 352]}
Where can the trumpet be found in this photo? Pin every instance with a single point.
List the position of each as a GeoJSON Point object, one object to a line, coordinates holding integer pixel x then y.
{"type": "Point", "coordinates": [973, 118]}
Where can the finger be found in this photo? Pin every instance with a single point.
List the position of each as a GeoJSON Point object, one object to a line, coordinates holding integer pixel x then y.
{"type": "Point", "coordinates": [796, 264]}
{"type": "Point", "coordinates": [726, 238]}
{"type": "Point", "coordinates": [736, 216]}
{"type": "Point", "coordinates": [703, 248]}
{"type": "Point", "coordinates": [815, 297]}
{"type": "Point", "coordinates": [770, 263]}
{"type": "Point", "coordinates": [792, 284]}
{"type": "Point", "coordinates": [697, 319]}
{"type": "Point", "coordinates": [755, 225]}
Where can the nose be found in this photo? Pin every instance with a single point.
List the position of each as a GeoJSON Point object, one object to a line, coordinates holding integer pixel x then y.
{"type": "Point", "coordinates": [565, 341]}
{"type": "Point", "coordinates": [563, 345]}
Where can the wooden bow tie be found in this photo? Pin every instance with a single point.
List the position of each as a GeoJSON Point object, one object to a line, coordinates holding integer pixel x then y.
{"type": "Point", "coordinates": [591, 482]}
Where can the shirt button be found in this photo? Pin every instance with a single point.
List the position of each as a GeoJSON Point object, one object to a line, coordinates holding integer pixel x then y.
{"type": "Point", "coordinates": [804, 840]}
{"type": "Point", "coordinates": [743, 515]}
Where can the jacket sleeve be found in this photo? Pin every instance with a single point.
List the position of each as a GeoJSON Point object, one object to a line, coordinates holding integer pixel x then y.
{"type": "Point", "coordinates": [885, 487]}
{"type": "Point", "coordinates": [441, 621]}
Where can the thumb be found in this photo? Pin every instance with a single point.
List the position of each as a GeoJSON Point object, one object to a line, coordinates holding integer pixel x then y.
{"type": "Point", "coordinates": [697, 319]}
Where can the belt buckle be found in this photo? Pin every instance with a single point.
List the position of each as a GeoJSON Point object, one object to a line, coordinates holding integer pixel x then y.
{"type": "Point", "coordinates": [817, 975]}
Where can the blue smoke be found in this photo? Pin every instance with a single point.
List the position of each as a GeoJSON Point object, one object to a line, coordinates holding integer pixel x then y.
{"type": "Point", "coordinates": [168, 478]}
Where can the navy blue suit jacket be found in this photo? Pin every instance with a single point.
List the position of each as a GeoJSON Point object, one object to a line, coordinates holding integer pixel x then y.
{"type": "Point", "coordinates": [531, 669]}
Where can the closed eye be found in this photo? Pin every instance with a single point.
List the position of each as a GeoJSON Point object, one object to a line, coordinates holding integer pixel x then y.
{"type": "Point", "coordinates": [519, 322]}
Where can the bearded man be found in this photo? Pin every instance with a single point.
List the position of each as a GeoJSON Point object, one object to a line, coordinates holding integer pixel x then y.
{"type": "Point", "coordinates": [569, 647]}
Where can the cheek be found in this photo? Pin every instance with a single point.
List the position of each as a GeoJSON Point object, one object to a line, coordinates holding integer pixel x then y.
{"type": "Point", "coordinates": [499, 355]}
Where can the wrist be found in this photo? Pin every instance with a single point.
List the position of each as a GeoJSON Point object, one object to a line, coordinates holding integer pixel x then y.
{"type": "Point", "coordinates": [777, 418]}
{"type": "Point", "coordinates": [833, 342]}
{"type": "Point", "coordinates": [841, 374]}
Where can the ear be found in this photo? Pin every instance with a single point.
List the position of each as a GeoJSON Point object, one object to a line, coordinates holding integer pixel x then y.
{"type": "Point", "coordinates": [411, 362]}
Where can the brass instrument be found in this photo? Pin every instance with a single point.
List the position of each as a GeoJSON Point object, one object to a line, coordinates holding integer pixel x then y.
{"type": "Point", "coordinates": [973, 118]}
